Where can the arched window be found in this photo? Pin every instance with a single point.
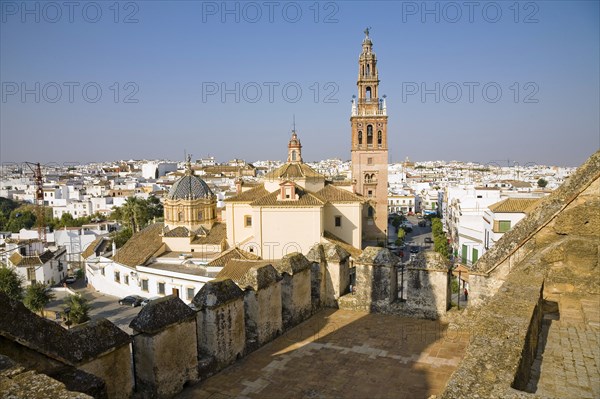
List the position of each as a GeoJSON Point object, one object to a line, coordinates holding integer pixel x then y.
{"type": "Point", "coordinates": [369, 135]}
{"type": "Point", "coordinates": [368, 93]}
{"type": "Point", "coordinates": [360, 138]}
{"type": "Point", "coordinates": [199, 215]}
{"type": "Point", "coordinates": [293, 155]}
{"type": "Point", "coordinates": [370, 212]}
{"type": "Point", "coordinates": [368, 70]}
{"type": "Point", "coordinates": [379, 138]}
{"type": "Point", "coordinates": [179, 216]}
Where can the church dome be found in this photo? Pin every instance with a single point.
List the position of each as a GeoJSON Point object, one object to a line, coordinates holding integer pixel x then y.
{"type": "Point", "coordinates": [190, 187]}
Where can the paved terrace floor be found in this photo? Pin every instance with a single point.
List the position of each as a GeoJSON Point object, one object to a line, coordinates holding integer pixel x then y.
{"type": "Point", "coordinates": [568, 357]}
{"type": "Point", "coordinates": [344, 354]}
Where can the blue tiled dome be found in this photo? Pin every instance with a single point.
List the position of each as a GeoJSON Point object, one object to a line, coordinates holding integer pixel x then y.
{"type": "Point", "coordinates": [190, 187]}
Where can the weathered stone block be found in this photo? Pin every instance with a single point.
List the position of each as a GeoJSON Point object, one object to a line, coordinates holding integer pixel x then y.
{"type": "Point", "coordinates": [262, 305]}
{"type": "Point", "coordinates": [295, 269]}
{"type": "Point", "coordinates": [376, 278]}
{"type": "Point", "coordinates": [165, 347]}
{"type": "Point", "coordinates": [220, 322]}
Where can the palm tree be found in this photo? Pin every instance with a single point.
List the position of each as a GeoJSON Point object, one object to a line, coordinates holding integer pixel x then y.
{"type": "Point", "coordinates": [129, 211]}
{"type": "Point", "coordinates": [11, 283]}
{"type": "Point", "coordinates": [79, 308]}
{"type": "Point", "coordinates": [37, 296]}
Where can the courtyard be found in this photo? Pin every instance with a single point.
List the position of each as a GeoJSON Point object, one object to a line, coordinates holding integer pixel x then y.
{"type": "Point", "coordinates": [344, 354]}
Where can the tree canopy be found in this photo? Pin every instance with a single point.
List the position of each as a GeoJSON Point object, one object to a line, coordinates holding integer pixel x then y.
{"type": "Point", "coordinates": [78, 308]}
{"type": "Point", "coordinates": [136, 213]}
{"type": "Point", "coordinates": [11, 284]}
{"type": "Point", "coordinates": [37, 296]}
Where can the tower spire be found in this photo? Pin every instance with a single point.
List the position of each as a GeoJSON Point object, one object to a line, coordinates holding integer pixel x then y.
{"type": "Point", "coordinates": [294, 147]}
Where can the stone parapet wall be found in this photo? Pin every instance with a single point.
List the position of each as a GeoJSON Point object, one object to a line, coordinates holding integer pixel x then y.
{"type": "Point", "coordinates": [174, 344]}
{"type": "Point", "coordinates": [88, 358]}
{"type": "Point", "coordinates": [504, 340]}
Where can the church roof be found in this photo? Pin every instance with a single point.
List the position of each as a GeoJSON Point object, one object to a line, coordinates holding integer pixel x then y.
{"type": "Point", "coordinates": [250, 195]}
{"type": "Point", "coordinates": [293, 171]}
{"type": "Point", "coordinates": [331, 193]}
{"type": "Point", "coordinates": [141, 246]}
{"type": "Point", "coordinates": [180, 231]}
{"type": "Point", "coordinates": [305, 198]}
{"type": "Point", "coordinates": [216, 235]}
{"type": "Point", "coordinates": [189, 187]}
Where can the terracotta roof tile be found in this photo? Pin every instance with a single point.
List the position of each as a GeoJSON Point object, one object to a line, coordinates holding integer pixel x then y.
{"type": "Point", "coordinates": [236, 269]}
{"type": "Point", "coordinates": [331, 193]}
{"type": "Point", "coordinates": [179, 231]}
{"type": "Point", "coordinates": [514, 205]}
{"type": "Point", "coordinates": [293, 171]}
{"type": "Point", "coordinates": [91, 248]}
{"type": "Point", "coordinates": [250, 195]}
{"type": "Point", "coordinates": [305, 198]}
{"type": "Point", "coordinates": [216, 235]}
{"type": "Point", "coordinates": [141, 246]}
{"type": "Point", "coordinates": [233, 253]}
{"type": "Point", "coordinates": [31, 260]}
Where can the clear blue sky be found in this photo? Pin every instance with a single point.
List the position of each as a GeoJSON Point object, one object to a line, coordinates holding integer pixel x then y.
{"type": "Point", "coordinates": [178, 53]}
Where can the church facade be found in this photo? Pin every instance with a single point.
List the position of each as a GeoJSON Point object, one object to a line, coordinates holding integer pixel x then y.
{"type": "Point", "coordinates": [292, 209]}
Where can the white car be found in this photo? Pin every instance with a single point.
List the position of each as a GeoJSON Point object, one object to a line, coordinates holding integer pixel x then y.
{"type": "Point", "coordinates": [148, 300]}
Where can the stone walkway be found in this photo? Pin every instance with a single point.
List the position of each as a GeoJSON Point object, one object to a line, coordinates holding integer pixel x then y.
{"type": "Point", "coordinates": [344, 354]}
{"type": "Point", "coordinates": [568, 358]}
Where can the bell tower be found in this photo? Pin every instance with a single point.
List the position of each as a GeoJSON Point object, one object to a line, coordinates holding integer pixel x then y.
{"type": "Point", "coordinates": [369, 148]}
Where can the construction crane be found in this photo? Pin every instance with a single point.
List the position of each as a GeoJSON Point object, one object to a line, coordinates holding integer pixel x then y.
{"type": "Point", "coordinates": [40, 212]}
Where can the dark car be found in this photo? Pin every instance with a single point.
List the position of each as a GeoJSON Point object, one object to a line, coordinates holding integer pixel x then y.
{"type": "Point", "coordinates": [131, 300]}
{"type": "Point", "coordinates": [414, 250]}
{"type": "Point", "coordinates": [422, 223]}
{"type": "Point", "coordinates": [70, 279]}
{"type": "Point", "coordinates": [428, 240]}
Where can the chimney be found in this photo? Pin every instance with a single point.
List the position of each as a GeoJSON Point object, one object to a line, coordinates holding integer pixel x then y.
{"type": "Point", "coordinates": [238, 185]}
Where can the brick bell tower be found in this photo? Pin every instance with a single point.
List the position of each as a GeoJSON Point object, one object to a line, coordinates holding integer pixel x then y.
{"type": "Point", "coordinates": [369, 144]}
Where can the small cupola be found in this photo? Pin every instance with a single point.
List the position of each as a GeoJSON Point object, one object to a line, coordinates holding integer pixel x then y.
{"type": "Point", "coordinates": [294, 149]}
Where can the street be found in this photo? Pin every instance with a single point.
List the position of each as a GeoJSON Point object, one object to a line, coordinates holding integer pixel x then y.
{"type": "Point", "coordinates": [416, 238]}
{"type": "Point", "coordinates": [101, 306]}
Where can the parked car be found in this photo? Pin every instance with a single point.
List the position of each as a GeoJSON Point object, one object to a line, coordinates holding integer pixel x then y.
{"type": "Point", "coordinates": [70, 279]}
{"type": "Point", "coordinates": [428, 240]}
{"type": "Point", "coordinates": [422, 223]}
{"type": "Point", "coordinates": [414, 250]}
{"type": "Point", "coordinates": [148, 300]}
{"type": "Point", "coordinates": [131, 300]}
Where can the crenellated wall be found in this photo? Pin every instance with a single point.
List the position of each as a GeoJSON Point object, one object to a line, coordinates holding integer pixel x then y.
{"type": "Point", "coordinates": [174, 344]}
